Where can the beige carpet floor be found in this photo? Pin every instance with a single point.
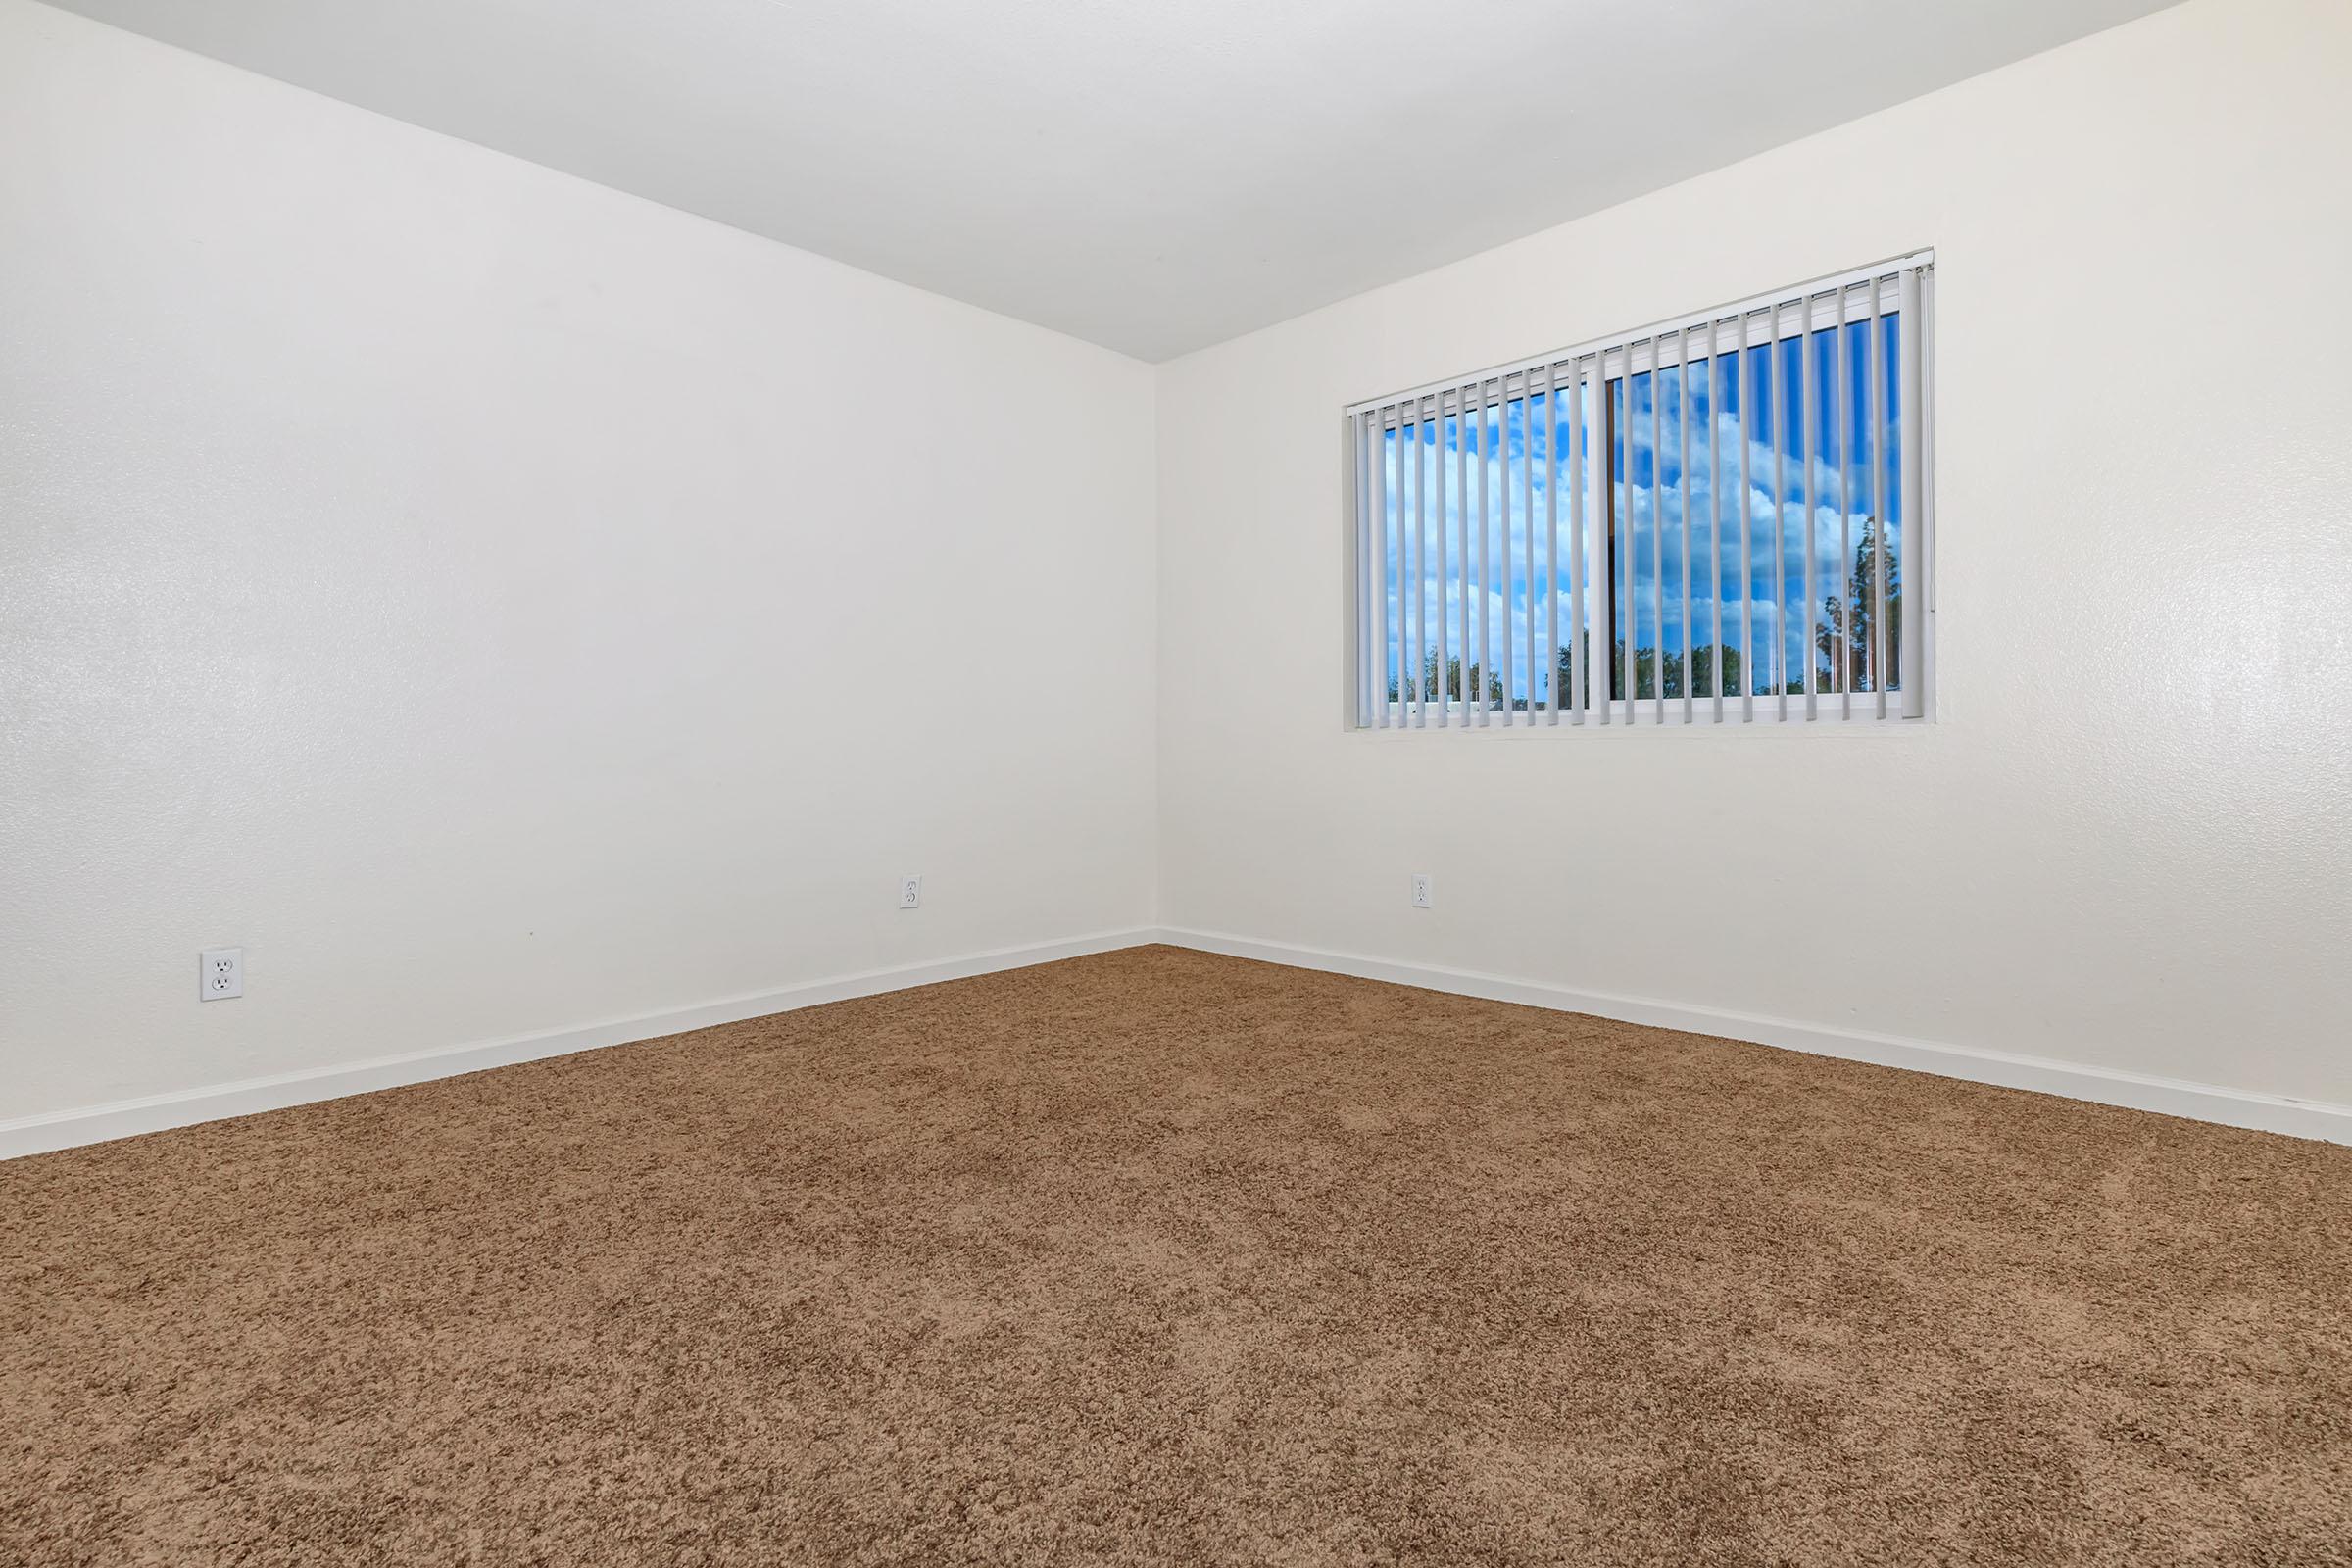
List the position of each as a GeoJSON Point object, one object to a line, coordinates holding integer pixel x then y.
{"type": "Point", "coordinates": [1163, 1258]}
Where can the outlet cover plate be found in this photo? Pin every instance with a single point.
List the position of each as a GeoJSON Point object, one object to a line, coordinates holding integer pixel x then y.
{"type": "Point", "coordinates": [221, 974]}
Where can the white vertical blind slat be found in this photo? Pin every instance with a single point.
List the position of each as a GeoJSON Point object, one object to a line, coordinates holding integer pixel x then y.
{"type": "Point", "coordinates": [1926, 460]}
{"type": "Point", "coordinates": [1527, 424]}
{"type": "Point", "coordinates": [1433, 530]}
{"type": "Point", "coordinates": [1461, 541]}
{"type": "Point", "coordinates": [1601, 560]}
{"type": "Point", "coordinates": [1404, 570]}
{"type": "Point", "coordinates": [1381, 491]}
{"type": "Point", "coordinates": [1419, 570]}
{"type": "Point", "coordinates": [1577, 510]}
{"type": "Point", "coordinates": [1715, 516]}
{"type": "Point", "coordinates": [1618, 536]}
{"type": "Point", "coordinates": [1425, 447]}
{"type": "Point", "coordinates": [1808, 435]}
{"type": "Point", "coordinates": [1909, 328]}
{"type": "Point", "coordinates": [1359, 484]}
{"type": "Point", "coordinates": [1776, 406]}
{"type": "Point", "coordinates": [1624, 634]}
{"type": "Point", "coordinates": [1657, 536]}
{"type": "Point", "coordinates": [1486, 498]}
{"type": "Point", "coordinates": [1502, 440]}
{"type": "Point", "coordinates": [1845, 512]}
{"type": "Point", "coordinates": [1747, 570]}
{"type": "Point", "coordinates": [1552, 541]}
{"type": "Point", "coordinates": [1876, 419]}
{"type": "Point", "coordinates": [1682, 426]}
{"type": "Point", "coordinates": [1445, 566]}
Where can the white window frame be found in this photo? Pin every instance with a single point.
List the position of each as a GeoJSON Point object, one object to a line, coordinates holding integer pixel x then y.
{"type": "Point", "coordinates": [1904, 283]}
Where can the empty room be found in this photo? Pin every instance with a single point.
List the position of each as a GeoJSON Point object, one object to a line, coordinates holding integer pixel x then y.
{"type": "Point", "coordinates": [1047, 782]}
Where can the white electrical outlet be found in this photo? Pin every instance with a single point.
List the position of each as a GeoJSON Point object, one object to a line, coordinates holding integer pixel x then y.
{"type": "Point", "coordinates": [221, 974]}
{"type": "Point", "coordinates": [911, 893]}
{"type": "Point", "coordinates": [1423, 892]}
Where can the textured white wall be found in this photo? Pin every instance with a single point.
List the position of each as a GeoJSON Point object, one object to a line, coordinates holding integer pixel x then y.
{"type": "Point", "coordinates": [502, 603]}
{"type": "Point", "coordinates": [499, 604]}
{"type": "Point", "coordinates": [2122, 846]}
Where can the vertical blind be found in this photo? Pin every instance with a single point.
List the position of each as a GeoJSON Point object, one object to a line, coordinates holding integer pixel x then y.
{"type": "Point", "coordinates": [1720, 519]}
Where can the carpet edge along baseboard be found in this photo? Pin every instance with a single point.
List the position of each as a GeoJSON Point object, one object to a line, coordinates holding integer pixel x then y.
{"type": "Point", "coordinates": [2171, 1096]}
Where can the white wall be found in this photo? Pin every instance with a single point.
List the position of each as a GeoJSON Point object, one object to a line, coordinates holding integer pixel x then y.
{"type": "Point", "coordinates": [502, 603]}
{"type": "Point", "coordinates": [2124, 845]}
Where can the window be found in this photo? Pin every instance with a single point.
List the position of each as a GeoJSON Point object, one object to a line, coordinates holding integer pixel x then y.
{"type": "Point", "coordinates": [1720, 520]}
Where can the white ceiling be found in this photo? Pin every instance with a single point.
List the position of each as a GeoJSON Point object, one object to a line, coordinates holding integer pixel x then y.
{"type": "Point", "coordinates": [1155, 175]}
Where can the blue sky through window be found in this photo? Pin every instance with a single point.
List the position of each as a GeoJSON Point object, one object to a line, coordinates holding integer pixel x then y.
{"type": "Point", "coordinates": [1723, 403]}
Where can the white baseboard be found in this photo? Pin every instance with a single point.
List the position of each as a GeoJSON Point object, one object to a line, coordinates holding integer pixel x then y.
{"type": "Point", "coordinates": [2172, 1097]}
{"type": "Point", "coordinates": [125, 1118]}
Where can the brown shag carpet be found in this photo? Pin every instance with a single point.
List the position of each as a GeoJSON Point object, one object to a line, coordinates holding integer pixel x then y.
{"type": "Point", "coordinates": [1163, 1258]}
